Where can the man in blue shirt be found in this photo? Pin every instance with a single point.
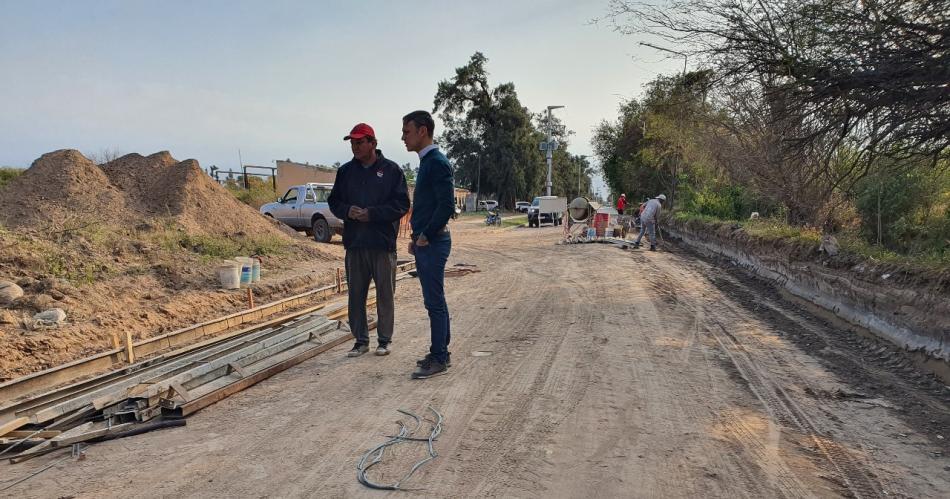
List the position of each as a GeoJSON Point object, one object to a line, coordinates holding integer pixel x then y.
{"type": "Point", "coordinates": [433, 204]}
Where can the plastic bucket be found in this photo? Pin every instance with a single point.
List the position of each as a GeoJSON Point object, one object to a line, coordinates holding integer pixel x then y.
{"type": "Point", "coordinates": [247, 270]}
{"type": "Point", "coordinates": [609, 232]}
{"type": "Point", "coordinates": [256, 270]}
{"type": "Point", "coordinates": [229, 275]}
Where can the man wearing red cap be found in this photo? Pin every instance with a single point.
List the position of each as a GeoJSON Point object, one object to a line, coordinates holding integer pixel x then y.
{"type": "Point", "coordinates": [370, 196]}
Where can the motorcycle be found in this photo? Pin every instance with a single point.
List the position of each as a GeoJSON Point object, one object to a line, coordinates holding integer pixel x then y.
{"type": "Point", "coordinates": [493, 217]}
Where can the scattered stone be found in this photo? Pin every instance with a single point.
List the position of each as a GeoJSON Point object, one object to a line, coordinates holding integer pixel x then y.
{"type": "Point", "coordinates": [52, 317]}
{"type": "Point", "coordinates": [26, 282]}
{"type": "Point", "coordinates": [7, 317]}
{"type": "Point", "coordinates": [9, 292]}
{"type": "Point", "coordinates": [40, 302]}
{"type": "Point", "coordinates": [48, 284]}
{"type": "Point", "coordinates": [57, 294]}
{"type": "Point", "coordinates": [829, 245]}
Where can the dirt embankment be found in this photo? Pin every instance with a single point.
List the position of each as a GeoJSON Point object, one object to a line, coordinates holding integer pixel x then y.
{"type": "Point", "coordinates": [130, 244]}
{"type": "Point", "coordinates": [909, 307]}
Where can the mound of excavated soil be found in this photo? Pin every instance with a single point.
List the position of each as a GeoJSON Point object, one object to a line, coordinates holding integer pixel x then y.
{"type": "Point", "coordinates": [59, 185]}
{"type": "Point", "coordinates": [127, 191]}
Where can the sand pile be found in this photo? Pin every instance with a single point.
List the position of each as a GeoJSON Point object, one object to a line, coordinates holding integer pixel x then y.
{"type": "Point", "coordinates": [59, 186]}
{"type": "Point", "coordinates": [127, 191]}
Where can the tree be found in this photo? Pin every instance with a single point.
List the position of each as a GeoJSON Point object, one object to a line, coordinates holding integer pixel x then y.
{"type": "Point", "coordinates": [105, 155]}
{"type": "Point", "coordinates": [409, 172]}
{"type": "Point", "coordinates": [870, 76]}
{"type": "Point", "coordinates": [492, 139]}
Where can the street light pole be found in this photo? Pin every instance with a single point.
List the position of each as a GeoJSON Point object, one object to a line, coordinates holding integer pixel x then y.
{"type": "Point", "coordinates": [550, 147]}
{"type": "Point", "coordinates": [675, 165]}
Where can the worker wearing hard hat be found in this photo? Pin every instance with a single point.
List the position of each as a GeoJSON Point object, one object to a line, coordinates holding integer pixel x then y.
{"type": "Point", "coordinates": [648, 220]}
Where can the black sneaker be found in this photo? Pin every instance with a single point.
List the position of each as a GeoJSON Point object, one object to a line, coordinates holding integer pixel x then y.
{"type": "Point", "coordinates": [652, 248]}
{"type": "Point", "coordinates": [358, 349]}
{"type": "Point", "coordinates": [448, 362]}
{"type": "Point", "coordinates": [428, 369]}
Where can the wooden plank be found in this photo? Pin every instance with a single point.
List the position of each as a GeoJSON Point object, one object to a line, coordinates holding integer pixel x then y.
{"type": "Point", "coordinates": [12, 425]}
{"type": "Point", "coordinates": [129, 348]}
{"type": "Point", "coordinates": [62, 441]}
{"type": "Point", "coordinates": [223, 393]}
{"type": "Point", "coordinates": [27, 433]}
{"type": "Point", "coordinates": [67, 421]}
{"type": "Point", "coordinates": [120, 390]}
{"type": "Point", "coordinates": [47, 447]}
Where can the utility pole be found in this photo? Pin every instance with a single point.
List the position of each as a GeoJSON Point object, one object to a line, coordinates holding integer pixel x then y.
{"type": "Point", "coordinates": [580, 170]}
{"type": "Point", "coordinates": [478, 181]}
{"type": "Point", "coordinates": [549, 147]}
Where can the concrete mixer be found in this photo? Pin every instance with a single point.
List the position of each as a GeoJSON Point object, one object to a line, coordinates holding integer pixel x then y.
{"type": "Point", "coordinates": [582, 210]}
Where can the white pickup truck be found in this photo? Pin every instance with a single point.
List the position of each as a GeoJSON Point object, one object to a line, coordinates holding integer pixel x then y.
{"type": "Point", "coordinates": [546, 209]}
{"type": "Point", "coordinates": [304, 207]}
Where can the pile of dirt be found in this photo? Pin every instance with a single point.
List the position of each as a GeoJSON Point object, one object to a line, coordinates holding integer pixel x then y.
{"type": "Point", "coordinates": [59, 185]}
{"type": "Point", "coordinates": [131, 245]}
{"type": "Point", "coordinates": [128, 191]}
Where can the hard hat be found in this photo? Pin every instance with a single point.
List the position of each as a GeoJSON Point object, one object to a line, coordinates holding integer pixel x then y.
{"type": "Point", "coordinates": [661, 197]}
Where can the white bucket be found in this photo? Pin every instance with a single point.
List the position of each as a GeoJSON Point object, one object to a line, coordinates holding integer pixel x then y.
{"type": "Point", "coordinates": [609, 232]}
{"type": "Point", "coordinates": [247, 270]}
{"type": "Point", "coordinates": [229, 274]}
{"type": "Point", "coordinates": [256, 270]}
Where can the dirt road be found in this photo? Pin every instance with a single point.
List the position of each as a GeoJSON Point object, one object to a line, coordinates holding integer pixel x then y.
{"type": "Point", "coordinates": [579, 371]}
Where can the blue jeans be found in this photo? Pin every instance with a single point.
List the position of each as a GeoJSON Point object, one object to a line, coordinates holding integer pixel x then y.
{"type": "Point", "coordinates": [430, 266]}
{"type": "Point", "coordinates": [647, 227]}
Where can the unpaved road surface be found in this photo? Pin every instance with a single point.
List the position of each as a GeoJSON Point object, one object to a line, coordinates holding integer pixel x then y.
{"type": "Point", "coordinates": [579, 371]}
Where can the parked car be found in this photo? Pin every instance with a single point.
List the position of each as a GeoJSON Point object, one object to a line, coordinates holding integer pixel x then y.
{"type": "Point", "coordinates": [304, 207]}
{"type": "Point", "coordinates": [522, 206]}
{"type": "Point", "coordinates": [546, 210]}
{"type": "Point", "coordinates": [487, 204]}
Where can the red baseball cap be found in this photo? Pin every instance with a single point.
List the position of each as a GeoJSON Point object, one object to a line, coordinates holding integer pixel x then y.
{"type": "Point", "coordinates": [359, 131]}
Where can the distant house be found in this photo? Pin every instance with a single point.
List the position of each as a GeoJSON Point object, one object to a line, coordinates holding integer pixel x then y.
{"type": "Point", "coordinates": [290, 173]}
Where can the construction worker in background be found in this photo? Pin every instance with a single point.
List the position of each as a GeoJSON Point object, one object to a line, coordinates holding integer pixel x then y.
{"type": "Point", "coordinates": [621, 204]}
{"type": "Point", "coordinates": [370, 195]}
{"type": "Point", "coordinates": [648, 218]}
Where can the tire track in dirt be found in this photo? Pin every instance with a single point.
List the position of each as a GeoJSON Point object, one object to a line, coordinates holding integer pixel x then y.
{"type": "Point", "coordinates": [781, 406]}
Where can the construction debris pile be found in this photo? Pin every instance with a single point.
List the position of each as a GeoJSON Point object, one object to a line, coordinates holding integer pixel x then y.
{"type": "Point", "coordinates": [168, 387]}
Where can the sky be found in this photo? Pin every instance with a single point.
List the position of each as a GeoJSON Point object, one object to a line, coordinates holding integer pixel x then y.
{"type": "Point", "coordinates": [288, 79]}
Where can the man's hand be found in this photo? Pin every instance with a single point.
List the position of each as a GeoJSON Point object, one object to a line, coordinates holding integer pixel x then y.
{"type": "Point", "coordinates": [363, 215]}
{"type": "Point", "coordinates": [422, 241]}
{"type": "Point", "coordinates": [354, 212]}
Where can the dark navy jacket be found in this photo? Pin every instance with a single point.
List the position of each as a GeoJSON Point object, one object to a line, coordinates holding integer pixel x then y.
{"type": "Point", "coordinates": [381, 187]}
{"type": "Point", "coordinates": [434, 196]}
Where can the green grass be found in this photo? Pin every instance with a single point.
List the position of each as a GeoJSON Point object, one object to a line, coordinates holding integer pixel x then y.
{"type": "Point", "coordinates": [217, 247]}
{"type": "Point", "coordinates": [515, 222]}
{"type": "Point", "coordinates": [8, 174]}
{"type": "Point", "coordinates": [848, 242]}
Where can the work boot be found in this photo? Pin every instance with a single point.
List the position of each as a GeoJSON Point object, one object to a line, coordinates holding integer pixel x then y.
{"type": "Point", "coordinates": [428, 369]}
{"type": "Point", "coordinates": [358, 349]}
{"type": "Point", "coordinates": [652, 247]}
{"type": "Point", "coordinates": [448, 362]}
{"type": "Point", "coordinates": [383, 349]}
